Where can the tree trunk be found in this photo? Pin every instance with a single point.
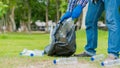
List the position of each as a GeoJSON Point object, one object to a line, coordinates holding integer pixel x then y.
{"type": "Point", "coordinates": [23, 26]}
{"type": "Point", "coordinates": [47, 17]}
{"type": "Point", "coordinates": [0, 26]}
{"type": "Point", "coordinates": [57, 9]}
{"type": "Point", "coordinates": [12, 19]}
{"type": "Point", "coordinates": [3, 25]}
{"type": "Point", "coordinates": [29, 18]}
{"type": "Point", "coordinates": [29, 21]}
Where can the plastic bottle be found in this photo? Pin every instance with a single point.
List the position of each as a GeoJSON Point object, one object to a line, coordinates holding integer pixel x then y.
{"type": "Point", "coordinates": [67, 26]}
{"type": "Point", "coordinates": [97, 57]}
{"type": "Point", "coordinates": [27, 52]}
{"type": "Point", "coordinates": [70, 60]}
{"type": "Point", "coordinates": [32, 53]}
{"type": "Point", "coordinates": [38, 52]}
{"type": "Point", "coordinates": [111, 62]}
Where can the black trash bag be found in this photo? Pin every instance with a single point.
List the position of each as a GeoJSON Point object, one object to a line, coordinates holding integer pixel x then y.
{"type": "Point", "coordinates": [62, 46]}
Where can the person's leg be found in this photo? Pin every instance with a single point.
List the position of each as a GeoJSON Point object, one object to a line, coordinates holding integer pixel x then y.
{"type": "Point", "coordinates": [113, 23]}
{"type": "Point", "coordinates": [93, 13]}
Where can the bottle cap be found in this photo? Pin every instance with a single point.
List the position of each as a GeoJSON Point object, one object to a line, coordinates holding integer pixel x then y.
{"type": "Point", "coordinates": [31, 54]}
{"type": "Point", "coordinates": [92, 59]}
{"type": "Point", "coordinates": [20, 53]}
{"type": "Point", "coordinates": [102, 64]}
{"type": "Point", "coordinates": [54, 61]}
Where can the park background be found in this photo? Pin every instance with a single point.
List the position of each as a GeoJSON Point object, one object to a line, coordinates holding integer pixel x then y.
{"type": "Point", "coordinates": [26, 24]}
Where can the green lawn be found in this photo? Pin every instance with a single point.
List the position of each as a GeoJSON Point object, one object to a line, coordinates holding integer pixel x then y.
{"type": "Point", "coordinates": [11, 44]}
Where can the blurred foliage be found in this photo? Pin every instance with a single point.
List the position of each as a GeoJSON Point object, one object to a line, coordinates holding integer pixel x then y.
{"type": "Point", "coordinates": [35, 7]}
{"type": "Point", "coordinates": [3, 8]}
{"type": "Point", "coordinates": [102, 17]}
{"type": "Point", "coordinates": [63, 6]}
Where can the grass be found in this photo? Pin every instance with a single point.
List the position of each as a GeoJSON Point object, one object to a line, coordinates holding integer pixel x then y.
{"type": "Point", "coordinates": [11, 44]}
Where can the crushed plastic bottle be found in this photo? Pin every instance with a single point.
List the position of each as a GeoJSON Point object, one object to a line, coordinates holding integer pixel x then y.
{"type": "Point", "coordinates": [97, 57]}
{"type": "Point", "coordinates": [67, 26]}
{"type": "Point", "coordinates": [70, 60]}
{"type": "Point", "coordinates": [32, 53]}
{"type": "Point", "coordinates": [111, 62]}
{"type": "Point", "coordinates": [27, 52]}
{"type": "Point", "coordinates": [38, 52]}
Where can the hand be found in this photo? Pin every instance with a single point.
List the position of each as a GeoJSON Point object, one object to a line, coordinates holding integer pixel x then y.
{"type": "Point", "coordinates": [66, 16]}
{"type": "Point", "coordinates": [77, 11]}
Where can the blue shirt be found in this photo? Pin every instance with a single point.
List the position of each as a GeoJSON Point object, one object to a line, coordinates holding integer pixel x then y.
{"type": "Point", "coordinates": [73, 3]}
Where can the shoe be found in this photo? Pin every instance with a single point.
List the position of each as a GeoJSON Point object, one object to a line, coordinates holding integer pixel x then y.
{"type": "Point", "coordinates": [84, 54]}
{"type": "Point", "coordinates": [110, 60]}
{"type": "Point", "coordinates": [111, 57]}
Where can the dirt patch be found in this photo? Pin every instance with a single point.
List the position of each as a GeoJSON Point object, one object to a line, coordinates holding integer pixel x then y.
{"type": "Point", "coordinates": [49, 64]}
{"type": "Point", "coordinates": [37, 63]}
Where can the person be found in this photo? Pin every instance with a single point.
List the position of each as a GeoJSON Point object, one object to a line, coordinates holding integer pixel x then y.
{"type": "Point", "coordinates": [77, 9]}
{"type": "Point", "coordinates": [94, 11]}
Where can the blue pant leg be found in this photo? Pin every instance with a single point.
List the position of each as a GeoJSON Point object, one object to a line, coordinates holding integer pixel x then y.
{"type": "Point", "coordinates": [93, 13]}
{"type": "Point", "coordinates": [113, 23]}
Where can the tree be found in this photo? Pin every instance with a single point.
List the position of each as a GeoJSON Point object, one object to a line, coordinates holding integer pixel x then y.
{"type": "Point", "coordinates": [12, 7]}
{"type": "Point", "coordinates": [63, 6]}
{"type": "Point", "coordinates": [57, 9]}
{"type": "Point", "coordinates": [25, 17]}
{"type": "Point", "coordinates": [47, 3]}
{"type": "Point", "coordinates": [3, 9]}
{"type": "Point", "coordinates": [26, 12]}
{"type": "Point", "coordinates": [9, 16]}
